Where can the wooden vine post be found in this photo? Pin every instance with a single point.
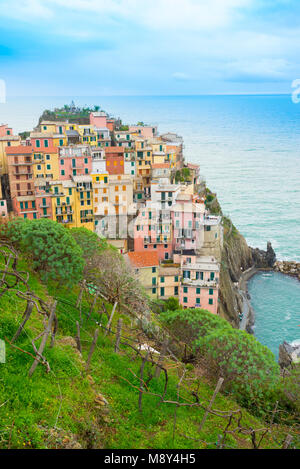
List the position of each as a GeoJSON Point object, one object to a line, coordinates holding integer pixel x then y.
{"type": "Point", "coordinates": [44, 339]}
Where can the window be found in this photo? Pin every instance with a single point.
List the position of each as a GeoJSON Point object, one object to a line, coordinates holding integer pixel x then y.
{"type": "Point", "coordinates": [48, 166]}
{"type": "Point", "coordinates": [211, 291]}
{"type": "Point", "coordinates": [162, 291]}
{"type": "Point", "coordinates": [61, 142]}
{"type": "Point", "coordinates": [46, 143]}
{"type": "Point", "coordinates": [34, 216]}
{"type": "Point", "coordinates": [58, 201]}
{"type": "Point", "coordinates": [175, 290]}
{"type": "Point", "coordinates": [162, 279]}
{"type": "Point", "coordinates": [185, 289]}
{"type": "Point", "coordinates": [62, 172]}
{"type": "Point", "coordinates": [105, 179]}
{"type": "Point", "coordinates": [176, 278]}
{"type": "Point", "coordinates": [153, 269]}
{"type": "Point", "coordinates": [210, 301]}
{"type": "Point", "coordinates": [185, 300]}
{"type": "Point", "coordinates": [37, 143]}
{"type": "Point", "coordinates": [154, 291]}
{"type": "Point", "coordinates": [153, 280]}
{"type": "Point", "coordinates": [70, 191]}
{"type": "Point", "coordinates": [197, 301]}
{"type": "Point", "coordinates": [198, 291]}
{"type": "Point", "coordinates": [86, 160]}
{"type": "Point", "coordinates": [86, 171]}
{"type": "Point", "coordinates": [212, 276]}
{"type": "Point", "coordinates": [62, 162]}
{"type": "Point", "coordinates": [47, 157]}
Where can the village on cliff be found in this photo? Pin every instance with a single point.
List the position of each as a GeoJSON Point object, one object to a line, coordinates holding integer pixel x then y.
{"type": "Point", "coordinates": [127, 183]}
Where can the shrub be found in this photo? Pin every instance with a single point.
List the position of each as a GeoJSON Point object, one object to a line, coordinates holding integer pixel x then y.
{"type": "Point", "coordinates": [249, 369]}
{"type": "Point", "coordinates": [52, 249]}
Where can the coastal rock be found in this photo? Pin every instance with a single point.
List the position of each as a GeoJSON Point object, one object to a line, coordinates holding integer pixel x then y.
{"type": "Point", "coordinates": [264, 259]}
{"type": "Point", "coordinates": [288, 268]}
{"type": "Point", "coordinates": [288, 354]}
{"type": "Point", "coordinates": [236, 258]}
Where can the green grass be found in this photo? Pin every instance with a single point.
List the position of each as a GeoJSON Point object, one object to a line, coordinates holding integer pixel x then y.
{"type": "Point", "coordinates": [59, 409]}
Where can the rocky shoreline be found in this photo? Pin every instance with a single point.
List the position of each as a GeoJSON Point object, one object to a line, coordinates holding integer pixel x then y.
{"type": "Point", "coordinates": [288, 353]}
{"type": "Point", "coordinates": [291, 268]}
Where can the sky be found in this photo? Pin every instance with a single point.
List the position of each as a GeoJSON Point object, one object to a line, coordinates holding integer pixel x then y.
{"type": "Point", "coordinates": [143, 47]}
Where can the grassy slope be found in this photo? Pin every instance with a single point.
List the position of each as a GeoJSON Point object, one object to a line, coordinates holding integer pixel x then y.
{"type": "Point", "coordinates": [60, 409]}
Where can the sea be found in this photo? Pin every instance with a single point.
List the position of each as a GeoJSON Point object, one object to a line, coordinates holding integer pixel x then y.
{"type": "Point", "coordinates": [248, 148]}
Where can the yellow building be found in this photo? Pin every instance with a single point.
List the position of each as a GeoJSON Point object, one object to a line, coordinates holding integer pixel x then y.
{"type": "Point", "coordinates": [145, 265]}
{"type": "Point", "coordinates": [72, 202]}
{"type": "Point", "coordinates": [168, 281]}
{"type": "Point", "coordinates": [7, 141]}
{"type": "Point", "coordinates": [46, 166]}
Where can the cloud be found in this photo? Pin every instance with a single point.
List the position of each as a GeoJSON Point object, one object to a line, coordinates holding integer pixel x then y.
{"type": "Point", "coordinates": [26, 10]}
{"type": "Point", "coordinates": [180, 76]}
{"type": "Point", "coordinates": [264, 70]}
{"type": "Point", "coordinates": [158, 14]}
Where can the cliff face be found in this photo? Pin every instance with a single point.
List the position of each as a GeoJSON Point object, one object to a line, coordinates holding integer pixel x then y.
{"type": "Point", "coordinates": [236, 258]}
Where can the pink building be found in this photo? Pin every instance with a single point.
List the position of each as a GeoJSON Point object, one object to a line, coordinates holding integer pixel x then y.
{"type": "Point", "coordinates": [188, 224]}
{"type": "Point", "coordinates": [43, 199]}
{"type": "Point", "coordinates": [3, 210]}
{"type": "Point", "coordinates": [200, 283]}
{"type": "Point", "coordinates": [98, 119]}
{"type": "Point", "coordinates": [74, 161]}
{"type": "Point", "coordinates": [5, 130]}
{"type": "Point", "coordinates": [146, 131]}
{"type": "Point", "coordinates": [153, 232]}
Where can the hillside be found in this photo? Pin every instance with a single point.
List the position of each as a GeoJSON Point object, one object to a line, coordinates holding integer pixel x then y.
{"type": "Point", "coordinates": [102, 407]}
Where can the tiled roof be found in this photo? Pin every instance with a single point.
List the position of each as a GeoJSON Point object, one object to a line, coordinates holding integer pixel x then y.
{"type": "Point", "coordinates": [19, 150]}
{"type": "Point", "coordinates": [143, 259]}
{"type": "Point", "coordinates": [114, 150]}
{"type": "Point", "coordinates": [160, 165]}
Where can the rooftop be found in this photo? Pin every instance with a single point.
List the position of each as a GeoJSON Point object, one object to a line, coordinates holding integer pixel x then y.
{"type": "Point", "coordinates": [143, 259]}
{"type": "Point", "coordinates": [19, 150]}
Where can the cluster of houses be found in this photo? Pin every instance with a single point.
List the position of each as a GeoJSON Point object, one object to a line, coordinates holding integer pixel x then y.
{"type": "Point", "coordinates": [127, 183]}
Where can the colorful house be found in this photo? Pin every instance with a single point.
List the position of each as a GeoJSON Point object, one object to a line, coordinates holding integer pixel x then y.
{"type": "Point", "coordinates": [199, 284]}
{"type": "Point", "coordinates": [145, 265]}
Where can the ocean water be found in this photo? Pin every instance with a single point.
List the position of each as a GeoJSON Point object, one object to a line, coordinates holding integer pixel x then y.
{"type": "Point", "coordinates": [276, 300]}
{"type": "Point", "coordinates": [248, 148]}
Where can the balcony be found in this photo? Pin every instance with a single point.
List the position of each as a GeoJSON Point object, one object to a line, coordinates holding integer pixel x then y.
{"type": "Point", "coordinates": [199, 283]}
{"type": "Point", "coordinates": [22, 173]}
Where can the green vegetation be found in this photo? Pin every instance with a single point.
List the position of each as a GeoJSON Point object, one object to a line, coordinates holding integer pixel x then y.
{"type": "Point", "coordinates": [53, 251]}
{"type": "Point", "coordinates": [249, 369]}
{"type": "Point", "coordinates": [62, 409]}
{"type": "Point", "coordinates": [72, 406]}
{"type": "Point", "coordinates": [70, 113]}
{"type": "Point", "coordinates": [183, 175]}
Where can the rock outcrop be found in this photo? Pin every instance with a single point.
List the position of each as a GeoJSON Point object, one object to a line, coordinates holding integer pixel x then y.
{"type": "Point", "coordinates": [264, 259]}
{"type": "Point", "coordinates": [288, 267]}
{"type": "Point", "coordinates": [236, 258]}
{"type": "Point", "coordinates": [288, 354]}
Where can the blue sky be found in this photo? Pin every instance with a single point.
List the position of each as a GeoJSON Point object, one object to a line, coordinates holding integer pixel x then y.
{"type": "Point", "coordinates": [143, 47]}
